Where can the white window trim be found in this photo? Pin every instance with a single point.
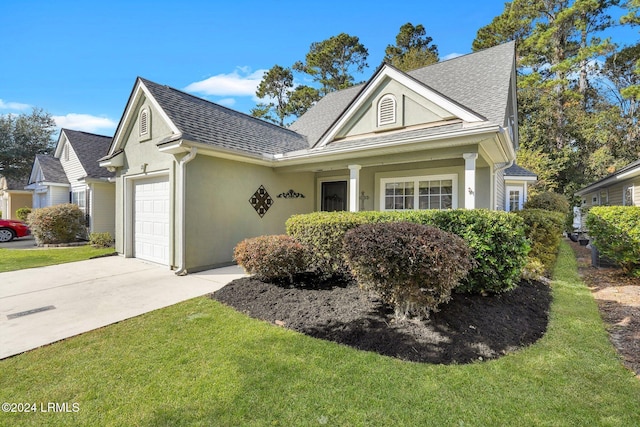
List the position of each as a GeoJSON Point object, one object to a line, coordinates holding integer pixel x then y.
{"type": "Point", "coordinates": [508, 190]}
{"type": "Point", "coordinates": [624, 195]}
{"type": "Point", "coordinates": [416, 180]}
{"type": "Point", "coordinates": [394, 116]}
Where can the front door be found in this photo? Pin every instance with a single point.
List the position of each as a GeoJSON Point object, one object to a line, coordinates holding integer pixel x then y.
{"type": "Point", "coordinates": [334, 196]}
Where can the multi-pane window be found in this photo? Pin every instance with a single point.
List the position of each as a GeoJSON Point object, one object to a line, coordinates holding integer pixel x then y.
{"type": "Point", "coordinates": [419, 193]}
{"type": "Point", "coordinates": [79, 198]}
{"type": "Point", "coordinates": [514, 200]}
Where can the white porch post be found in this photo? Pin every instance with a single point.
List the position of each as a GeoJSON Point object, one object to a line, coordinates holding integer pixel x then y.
{"type": "Point", "coordinates": [470, 180]}
{"type": "Point", "coordinates": [354, 187]}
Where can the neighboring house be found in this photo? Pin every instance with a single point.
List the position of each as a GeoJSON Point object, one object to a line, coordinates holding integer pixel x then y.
{"type": "Point", "coordinates": [73, 175]}
{"type": "Point", "coordinates": [621, 188]}
{"type": "Point", "coordinates": [194, 178]}
{"type": "Point", "coordinates": [517, 180]}
{"type": "Point", "coordinates": [13, 196]}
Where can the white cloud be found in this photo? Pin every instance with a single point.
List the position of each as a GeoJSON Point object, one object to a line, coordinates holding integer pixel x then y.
{"type": "Point", "coordinates": [450, 56]}
{"type": "Point", "coordinates": [84, 122]}
{"type": "Point", "coordinates": [227, 102]}
{"type": "Point", "coordinates": [241, 82]}
{"type": "Point", "coordinates": [13, 106]}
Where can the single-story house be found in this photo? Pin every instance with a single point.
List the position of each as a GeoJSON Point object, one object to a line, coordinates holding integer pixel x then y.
{"type": "Point", "coordinates": [73, 175]}
{"type": "Point", "coordinates": [194, 178]}
{"type": "Point", "coordinates": [621, 188]}
{"type": "Point", "coordinates": [13, 196]}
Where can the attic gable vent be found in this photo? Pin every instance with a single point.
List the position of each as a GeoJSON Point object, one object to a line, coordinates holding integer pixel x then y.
{"type": "Point", "coordinates": [144, 124]}
{"type": "Point", "coordinates": [387, 110]}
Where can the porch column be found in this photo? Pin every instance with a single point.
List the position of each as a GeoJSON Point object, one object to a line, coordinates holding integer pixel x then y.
{"type": "Point", "coordinates": [354, 187]}
{"type": "Point", "coordinates": [470, 180]}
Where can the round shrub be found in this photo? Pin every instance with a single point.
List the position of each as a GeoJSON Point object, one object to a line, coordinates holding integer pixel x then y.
{"type": "Point", "coordinates": [412, 267]}
{"type": "Point", "coordinates": [57, 224]}
{"type": "Point", "coordinates": [548, 201]}
{"type": "Point", "coordinates": [322, 233]}
{"type": "Point", "coordinates": [101, 240]}
{"type": "Point", "coordinates": [23, 213]}
{"type": "Point", "coordinates": [271, 257]}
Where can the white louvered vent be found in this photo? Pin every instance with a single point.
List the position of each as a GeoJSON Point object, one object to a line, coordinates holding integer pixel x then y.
{"type": "Point", "coordinates": [387, 110]}
{"type": "Point", "coordinates": [144, 122]}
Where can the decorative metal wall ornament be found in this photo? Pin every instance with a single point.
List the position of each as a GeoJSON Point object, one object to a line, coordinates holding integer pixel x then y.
{"type": "Point", "coordinates": [291, 195]}
{"type": "Point", "coordinates": [261, 201]}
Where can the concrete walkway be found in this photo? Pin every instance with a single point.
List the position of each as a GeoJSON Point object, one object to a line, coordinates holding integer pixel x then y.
{"type": "Point", "coordinates": [39, 306]}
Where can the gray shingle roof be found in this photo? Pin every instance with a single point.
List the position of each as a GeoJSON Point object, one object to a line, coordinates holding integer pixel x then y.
{"type": "Point", "coordinates": [52, 170]}
{"type": "Point", "coordinates": [203, 121]}
{"type": "Point", "coordinates": [479, 81]}
{"type": "Point", "coordinates": [89, 148]}
{"type": "Point", "coordinates": [606, 180]}
{"type": "Point", "coordinates": [516, 170]}
{"type": "Point", "coordinates": [15, 184]}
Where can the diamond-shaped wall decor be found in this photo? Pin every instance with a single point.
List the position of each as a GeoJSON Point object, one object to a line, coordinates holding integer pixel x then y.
{"type": "Point", "coordinates": [261, 201]}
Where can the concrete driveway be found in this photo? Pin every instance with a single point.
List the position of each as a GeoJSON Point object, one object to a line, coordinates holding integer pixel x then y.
{"type": "Point", "coordinates": [39, 306]}
{"type": "Point", "coordinates": [27, 242]}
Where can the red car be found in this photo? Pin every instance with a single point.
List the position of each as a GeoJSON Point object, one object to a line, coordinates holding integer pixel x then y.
{"type": "Point", "coordinates": [10, 229]}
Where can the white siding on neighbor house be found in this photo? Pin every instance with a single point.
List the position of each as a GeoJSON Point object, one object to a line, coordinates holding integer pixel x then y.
{"type": "Point", "coordinates": [72, 167]}
{"type": "Point", "coordinates": [103, 211]}
{"type": "Point", "coordinates": [58, 195]}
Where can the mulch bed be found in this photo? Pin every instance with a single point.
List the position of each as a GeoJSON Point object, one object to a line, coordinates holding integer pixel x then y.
{"type": "Point", "coordinates": [618, 298]}
{"type": "Point", "coordinates": [468, 328]}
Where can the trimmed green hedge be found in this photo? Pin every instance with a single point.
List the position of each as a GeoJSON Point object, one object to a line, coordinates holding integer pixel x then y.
{"type": "Point", "coordinates": [497, 240]}
{"type": "Point", "coordinates": [271, 257]}
{"type": "Point", "coordinates": [615, 231]}
{"type": "Point", "coordinates": [543, 228]}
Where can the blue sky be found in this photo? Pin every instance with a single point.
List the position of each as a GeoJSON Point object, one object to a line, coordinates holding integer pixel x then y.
{"type": "Point", "coordinates": [78, 60]}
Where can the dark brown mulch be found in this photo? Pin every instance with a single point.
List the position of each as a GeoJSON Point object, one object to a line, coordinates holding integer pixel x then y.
{"type": "Point", "coordinates": [467, 329]}
{"type": "Point", "coordinates": [618, 298]}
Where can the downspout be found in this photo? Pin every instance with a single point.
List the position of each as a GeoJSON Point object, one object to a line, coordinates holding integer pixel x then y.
{"type": "Point", "coordinates": [182, 168]}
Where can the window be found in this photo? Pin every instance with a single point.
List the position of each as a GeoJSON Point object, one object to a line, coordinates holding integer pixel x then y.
{"type": "Point", "coordinates": [413, 193]}
{"type": "Point", "coordinates": [144, 124]}
{"type": "Point", "coordinates": [386, 110]}
{"type": "Point", "coordinates": [79, 198]}
{"type": "Point", "coordinates": [514, 200]}
{"type": "Point", "coordinates": [604, 197]}
{"type": "Point", "coordinates": [627, 195]}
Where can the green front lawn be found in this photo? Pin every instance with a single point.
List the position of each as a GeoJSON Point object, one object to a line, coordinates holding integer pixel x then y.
{"type": "Point", "coordinates": [18, 259]}
{"type": "Point", "coordinates": [201, 363]}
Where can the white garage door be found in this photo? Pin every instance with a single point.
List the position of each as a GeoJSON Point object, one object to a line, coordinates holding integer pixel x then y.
{"type": "Point", "coordinates": [151, 219]}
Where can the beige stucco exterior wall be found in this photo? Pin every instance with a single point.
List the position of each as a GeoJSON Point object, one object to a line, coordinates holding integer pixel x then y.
{"type": "Point", "coordinates": [141, 159]}
{"type": "Point", "coordinates": [102, 208]}
{"type": "Point", "coordinates": [218, 212]}
{"type": "Point", "coordinates": [411, 109]}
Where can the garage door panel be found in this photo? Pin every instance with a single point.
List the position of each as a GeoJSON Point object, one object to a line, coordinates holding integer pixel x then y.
{"type": "Point", "coordinates": [151, 219]}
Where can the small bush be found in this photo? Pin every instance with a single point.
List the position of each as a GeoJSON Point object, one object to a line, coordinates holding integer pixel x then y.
{"type": "Point", "coordinates": [322, 233]}
{"type": "Point", "coordinates": [544, 230]}
{"type": "Point", "coordinates": [271, 257]}
{"type": "Point", "coordinates": [549, 201]}
{"type": "Point", "coordinates": [101, 240]}
{"type": "Point", "coordinates": [23, 214]}
{"type": "Point", "coordinates": [411, 266]}
{"type": "Point", "coordinates": [616, 233]}
{"type": "Point", "coordinates": [57, 224]}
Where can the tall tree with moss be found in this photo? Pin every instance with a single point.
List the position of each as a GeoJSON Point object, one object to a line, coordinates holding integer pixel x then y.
{"type": "Point", "coordinates": [331, 62]}
{"type": "Point", "coordinates": [21, 138]}
{"type": "Point", "coordinates": [413, 49]}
